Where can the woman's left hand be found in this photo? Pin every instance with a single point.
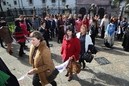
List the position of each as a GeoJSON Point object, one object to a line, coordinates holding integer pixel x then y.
{"type": "Point", "coordinates": [31, 72]}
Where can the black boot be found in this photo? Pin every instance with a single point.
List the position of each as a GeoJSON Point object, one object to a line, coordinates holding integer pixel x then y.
{"type": "Point", "coordinates": [53, 83]}
{"type": "Point", "coordinates": [70, 78]}
{"type": "Point", "coordinates": [84, 65]}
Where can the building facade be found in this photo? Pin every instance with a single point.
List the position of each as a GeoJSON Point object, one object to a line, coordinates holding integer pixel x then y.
{"type": "Point", "coordinates": [102, 7]}
{"type": "Point", "coordinates": [57, 6]}
{"type": "Point", "coordinates": [52, 6]}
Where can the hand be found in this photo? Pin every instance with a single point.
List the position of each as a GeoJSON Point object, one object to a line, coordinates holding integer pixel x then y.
{"type": "Point", "coordinates": [71, 57]}
{"type": "Point", "coordinates": [31, 72]}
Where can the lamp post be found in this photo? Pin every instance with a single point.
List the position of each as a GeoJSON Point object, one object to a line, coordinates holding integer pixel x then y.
{"type": "Point", "coordinates": [21, 3]}
{"type": "Point", "coordinates": [59, 6]}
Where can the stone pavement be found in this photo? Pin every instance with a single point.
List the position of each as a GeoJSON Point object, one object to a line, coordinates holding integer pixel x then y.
{"type": "Point", "coordinates": [112, 71]}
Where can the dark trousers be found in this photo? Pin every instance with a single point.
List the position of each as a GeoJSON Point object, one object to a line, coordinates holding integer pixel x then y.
{"type": "Point", "coordinates": [52, 33]}
{"type": "Point", "coordinates": [47, 42]}
{"type": "Point", "coordinates": [103, 32]}
{"type": "Point", "coordinates": [93, 39]}
{"type": "Point", "coordinates": [36, 81]}
{"type": "Point", "coordinates": [21, 50]}
{"type": "Point", "coordinates": [81, 60]}
{"type": "Point", "coordinates": [1, 42]}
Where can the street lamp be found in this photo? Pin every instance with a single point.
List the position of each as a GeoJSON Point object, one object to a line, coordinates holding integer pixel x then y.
{"type": "Point", "coordinates": [59, 6]}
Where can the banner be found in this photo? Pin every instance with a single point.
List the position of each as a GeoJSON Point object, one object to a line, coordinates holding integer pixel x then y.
{"type": "Point", "coordinates": [62, 67]}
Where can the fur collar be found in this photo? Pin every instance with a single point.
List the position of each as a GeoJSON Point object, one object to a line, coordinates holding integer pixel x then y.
{"type": "Point", "coordinates": [38, 55]}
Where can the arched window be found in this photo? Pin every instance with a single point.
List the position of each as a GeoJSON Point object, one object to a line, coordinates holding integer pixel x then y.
{"type": "Point", "coordinates": [30, 1]}
{"type": "Point", "coordinates": [53, 1]}
{"type": "Point", "coordinates": [63, 1]}
{"type": "Point", "coordinates": [43, 1]}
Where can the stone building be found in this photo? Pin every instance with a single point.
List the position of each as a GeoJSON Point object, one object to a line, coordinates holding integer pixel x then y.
{"type": "Point", "coordinates": [51, 6]}
{"type": "Point", "coordinates": [102, 7]}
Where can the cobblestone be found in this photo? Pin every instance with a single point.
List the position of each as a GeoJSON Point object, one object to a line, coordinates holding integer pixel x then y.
{"type": "Point", "coordinates": [116, 73]}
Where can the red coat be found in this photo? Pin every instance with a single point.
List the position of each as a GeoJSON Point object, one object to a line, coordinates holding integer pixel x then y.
{"type": "Point", "coordinates": [69, 48]}
{"type": "Point", "coordinates": [78, 24]}
{"type": "Point", "coordinates": [86, 22]}
{"type": "Point", "coordinates": [19, 35]}
{"type": "Point", "coordinates": [24, 29]}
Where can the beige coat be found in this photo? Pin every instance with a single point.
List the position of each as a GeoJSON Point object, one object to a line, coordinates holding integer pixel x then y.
{"type": "Point", "coordinates": [42, 62]}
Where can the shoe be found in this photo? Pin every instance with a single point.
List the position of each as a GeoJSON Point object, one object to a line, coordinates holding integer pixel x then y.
{"type": "Point", "coordinates": [10, 52]}
{"type": "Point", "coordinates": [23, 53]}
{"type": "Point", "coordinates": [70, 78]}
{"type": "Point", "coordinates": [66, 75]}
{"type": "Point", "coordinates": [83, 66]}
{"type": "Point", "coordinates": [25, 47]}
{"type": "Point", "coordinates": [20, 55]}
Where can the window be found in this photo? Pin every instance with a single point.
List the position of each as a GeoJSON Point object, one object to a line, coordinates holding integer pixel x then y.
{"type": "Point", "coordinates": [4, 3]}
{"type": "Point", "coordinates": [43, 1]}
{"type": "Point", "coordinates": [15, 2]}
{"type": "Point", "coordinates": [53, 1]}
{"type": "Point", "coordinates": [30, 1]}
{"type": "Point", "coordinates": [64, 1]}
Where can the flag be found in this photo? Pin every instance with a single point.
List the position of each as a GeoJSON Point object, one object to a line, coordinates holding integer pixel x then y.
{"type": "Point", "coordinates": [62, 66]}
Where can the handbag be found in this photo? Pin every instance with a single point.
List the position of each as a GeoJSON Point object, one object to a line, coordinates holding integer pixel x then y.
{"type": "Point", "coordinates": [87, 56]}
{"type": "Point", "coordinates": [73, 66]}
{"type": "Point", "coordinates": [53, 75]}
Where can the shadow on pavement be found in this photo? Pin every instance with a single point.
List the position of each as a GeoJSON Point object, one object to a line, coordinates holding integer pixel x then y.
{"type": "Point", "coordinates": [24, 59]}
{"type": "Point", "coordinates": [115, 50]}
{"type": "Point", "coordinates": [103, 79]}
{"type": "Point", "coordinates": [57, 58]}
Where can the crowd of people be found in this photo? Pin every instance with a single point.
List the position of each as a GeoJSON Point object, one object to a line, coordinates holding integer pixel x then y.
{"type": "Point", "coordinates": [74, 32]}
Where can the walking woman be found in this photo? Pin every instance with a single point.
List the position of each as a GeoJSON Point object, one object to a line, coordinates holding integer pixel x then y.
{"type": "Point", "coordinates": [5, 35]}
{"type": "Point", "coordinates": [40, 59]}
{"type": "Point", "coordinates": [70, 47]}
{"type": "Point", "coordinates": [60, 26]}
{"type": "Point", "coordinates": [43, 30]}
{"type": "Point", "coordinates": [19, 35]}
{"type": "Point", "coordinates": [125, 42]}
{"type": "Point", "coordinates": [109, 34]}
{"type": "Point", "coordinates": [85, 41]}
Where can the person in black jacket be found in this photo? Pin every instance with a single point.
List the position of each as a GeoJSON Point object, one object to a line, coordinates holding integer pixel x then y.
{"type": "Point", "coordinates": [125, 43]}
{"type": "Point", "coordinates": [12, 81]}
{"type": "Point", "coordinates": [43, 30]}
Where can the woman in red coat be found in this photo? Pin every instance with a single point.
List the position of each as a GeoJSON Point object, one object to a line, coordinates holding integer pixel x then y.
{"type": "Point", "coordinates": [19, 35]}
{"type": "Point", "coordinates": [70, 45]}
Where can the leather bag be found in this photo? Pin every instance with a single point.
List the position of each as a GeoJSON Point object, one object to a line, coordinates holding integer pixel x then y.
{"type": "Point", "coordinates": [53, 75]}
{"type": "Point", "coordinates": [88, 57]}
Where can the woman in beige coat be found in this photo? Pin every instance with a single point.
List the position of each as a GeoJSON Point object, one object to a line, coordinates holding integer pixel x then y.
{"type": "Point", "coordinates": [40, 59]}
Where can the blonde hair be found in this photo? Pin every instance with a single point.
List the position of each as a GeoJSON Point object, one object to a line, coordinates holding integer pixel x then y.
{"type": "Point", "coordinates": [83, 26]}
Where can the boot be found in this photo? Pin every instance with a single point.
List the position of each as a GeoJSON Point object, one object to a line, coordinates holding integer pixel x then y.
{"type": "Point", "coordinates": [69, 78]}
{"type": "Point", "coordinates": [84, 65]}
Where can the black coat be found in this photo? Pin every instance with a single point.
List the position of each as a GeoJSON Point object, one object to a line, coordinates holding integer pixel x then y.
{"type": "Point", "coordinates": [125, 43]}
{"type": "Point", "coordinates": [12, 81]}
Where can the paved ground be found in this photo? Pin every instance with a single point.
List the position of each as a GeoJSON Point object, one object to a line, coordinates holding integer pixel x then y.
{"type": "Point", "coordinates": [115, 73]}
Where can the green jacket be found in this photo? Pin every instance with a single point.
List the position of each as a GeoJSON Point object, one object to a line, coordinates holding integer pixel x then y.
{"type": "Point", "coordinates": [3, 78]}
